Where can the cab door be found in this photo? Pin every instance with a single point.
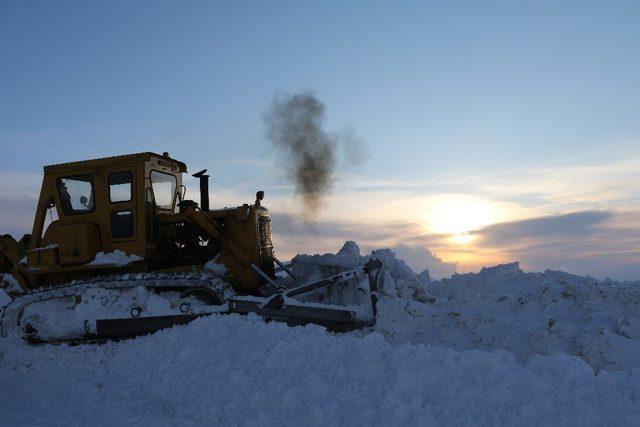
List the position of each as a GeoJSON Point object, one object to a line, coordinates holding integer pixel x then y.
{"type": "Point", "coordinates": [121, 202]}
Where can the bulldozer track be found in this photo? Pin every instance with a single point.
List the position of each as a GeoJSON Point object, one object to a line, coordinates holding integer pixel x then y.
{"type": "Point", "coordinates": [11, 313]}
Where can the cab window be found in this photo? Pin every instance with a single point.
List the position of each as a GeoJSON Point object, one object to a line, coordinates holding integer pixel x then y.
{"type": "Point", "coordinates": [120, 187]}
{"type": "Point", "coordinates": [76, 194]}
{"type": "Point", "coordinates": [122, 224]}
{"type": "Point", "coordinates": [164, 188]}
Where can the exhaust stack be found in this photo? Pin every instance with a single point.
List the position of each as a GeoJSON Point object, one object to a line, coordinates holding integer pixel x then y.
{"type": "Point", "coordinates": [204, 189]}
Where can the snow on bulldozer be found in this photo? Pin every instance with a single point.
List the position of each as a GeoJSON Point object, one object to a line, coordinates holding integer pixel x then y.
{"type": "Point", "coordinates": [117, 251]}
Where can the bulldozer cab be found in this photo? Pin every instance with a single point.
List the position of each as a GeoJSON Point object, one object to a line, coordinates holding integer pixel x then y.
{"type": "Point", "coordinates": [135, 204]}
{"type": "Point", "coordinates": [102, 205]}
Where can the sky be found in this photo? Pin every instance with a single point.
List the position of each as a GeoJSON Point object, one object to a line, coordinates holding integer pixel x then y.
{"type": "Point", "coordinates": [494, 131]}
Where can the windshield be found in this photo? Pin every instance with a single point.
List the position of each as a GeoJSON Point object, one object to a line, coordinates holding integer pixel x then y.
{"type": "Point", "coordinates": [164, 188]}
{"type": "Point", "coordinates": [76, 194]}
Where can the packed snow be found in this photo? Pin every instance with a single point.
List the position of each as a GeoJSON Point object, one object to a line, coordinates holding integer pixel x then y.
{"type": "Point", "coordinates": [4, 298]}
{"type": "Point", "coordinates": [116, 257]}
{"type": "Point", "coordinates": [498, 347]}
{"type": "Point", "coordinates": [9, 285]}
{"type": "Point", "coordinates": [240, 371]}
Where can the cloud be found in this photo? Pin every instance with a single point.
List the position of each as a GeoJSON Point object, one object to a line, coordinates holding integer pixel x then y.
{"type": "Point", "coordinates": [292, 225]}
{"type": "Point", "coordinates": [420, 258]}
{"type": "Point", "coordinates": [16, 216]}
{"type": "Point", "coordinates": [292, 235]}
{"type": "Point", "coordinates": [18, 200]}
{"type": "Point", "coordinates": [567, 225]}
{"type": "Point", "coordinates": [15, 185]}
{"type": "Point", "coordinates": [603, 182]}
{"type": "Point", "coordinates": [600, 243]}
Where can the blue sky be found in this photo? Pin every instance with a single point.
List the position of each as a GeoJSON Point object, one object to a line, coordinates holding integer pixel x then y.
{"type": "Point", "coordinates": [456, 101]}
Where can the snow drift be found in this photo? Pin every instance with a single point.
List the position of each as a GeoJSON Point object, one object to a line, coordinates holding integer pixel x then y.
{"type": "Point", "coordinates": [500, 347]}
{"type": "Point", "coordinates": [241, 371]}
{"type": "Point", "coordinates": [502, 307]}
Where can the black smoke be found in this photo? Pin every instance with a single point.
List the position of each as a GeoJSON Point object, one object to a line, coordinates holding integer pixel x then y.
{"type": "Point", "coordinates": [295, 127]}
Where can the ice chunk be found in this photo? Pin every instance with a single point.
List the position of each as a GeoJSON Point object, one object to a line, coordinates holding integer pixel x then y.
{"type": "Point", "coordinates": [350, 248]}
{"type": "Point", "coordinates": [424, 277]}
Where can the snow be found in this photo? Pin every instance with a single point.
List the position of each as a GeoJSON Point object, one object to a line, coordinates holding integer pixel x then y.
{"type": "Point", "coordinates": [502, 308]}
{"type": "Point", "coordinates": [216, 268]}
{"type": "Point", "coordinates": [527, 314]}
{"type": "Point", "coordinates": [4, 298]}
{"type": "Point", "coordinates": [9, 285]}
{"type": "Point", "coordinates": [240, 371]}
{"type": "Point", "coordinates": [116, 257]}
{"type": "Point", "coordinates": [45, 248]}
{"type": "Point", "coordinates": [425, 277]}
{"type": "Point", "coordinates": [498, 347]}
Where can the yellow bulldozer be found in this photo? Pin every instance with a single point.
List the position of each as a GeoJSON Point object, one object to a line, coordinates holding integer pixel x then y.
{"type": "Point", "coordinates": [117, 251]}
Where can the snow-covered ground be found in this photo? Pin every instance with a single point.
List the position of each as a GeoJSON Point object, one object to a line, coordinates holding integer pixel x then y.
{"type": "Point", "coordinates": [498, 347]}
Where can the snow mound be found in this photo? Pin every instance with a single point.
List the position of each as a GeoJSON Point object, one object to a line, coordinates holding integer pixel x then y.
{"type": "Point", "coordinates": [240, 371]}
{"type": "Point", "coordinates": [532, 314]}
{"type": "Point", "coordinates": [527, 314]}
{"type": "Point", "coordinates": [500, 308]}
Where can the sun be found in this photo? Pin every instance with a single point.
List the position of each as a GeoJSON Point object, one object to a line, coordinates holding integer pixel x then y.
{"type": "Point", "coordinates": [459, 214]}
{"type": "Point", "coordinates": [462, 238]}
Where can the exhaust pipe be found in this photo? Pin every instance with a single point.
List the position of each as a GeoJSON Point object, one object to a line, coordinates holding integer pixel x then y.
{"type": "Point", "coordinates": [204, 189]}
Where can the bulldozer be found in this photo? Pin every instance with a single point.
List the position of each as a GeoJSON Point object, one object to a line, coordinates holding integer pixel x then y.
{"type": "Point", "coordinates": [117, 251]}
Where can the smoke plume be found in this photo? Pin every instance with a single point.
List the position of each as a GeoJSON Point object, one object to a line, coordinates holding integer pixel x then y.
{"type": "Point", "coordinates": [294, 126]}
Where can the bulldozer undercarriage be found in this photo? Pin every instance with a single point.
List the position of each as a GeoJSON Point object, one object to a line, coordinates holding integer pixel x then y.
{"type": "Point", "coordinates": [119, 307]}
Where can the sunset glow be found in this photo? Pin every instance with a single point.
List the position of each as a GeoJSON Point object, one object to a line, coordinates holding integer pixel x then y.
{"type": "Point", "coordinates": [462, 238]}
{"type": "Point", "coordinates": [457, 214]}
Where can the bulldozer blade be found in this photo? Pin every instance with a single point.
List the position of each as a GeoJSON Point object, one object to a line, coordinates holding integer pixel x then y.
{"type": "Point", "coordinates": [279, 307]}
{"type": "Point", "coordinates": [283, 307]}
{"type": "Point", "coordinates": [331, 317]}
{"type": "Point", "coordinates": [137, 326]}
